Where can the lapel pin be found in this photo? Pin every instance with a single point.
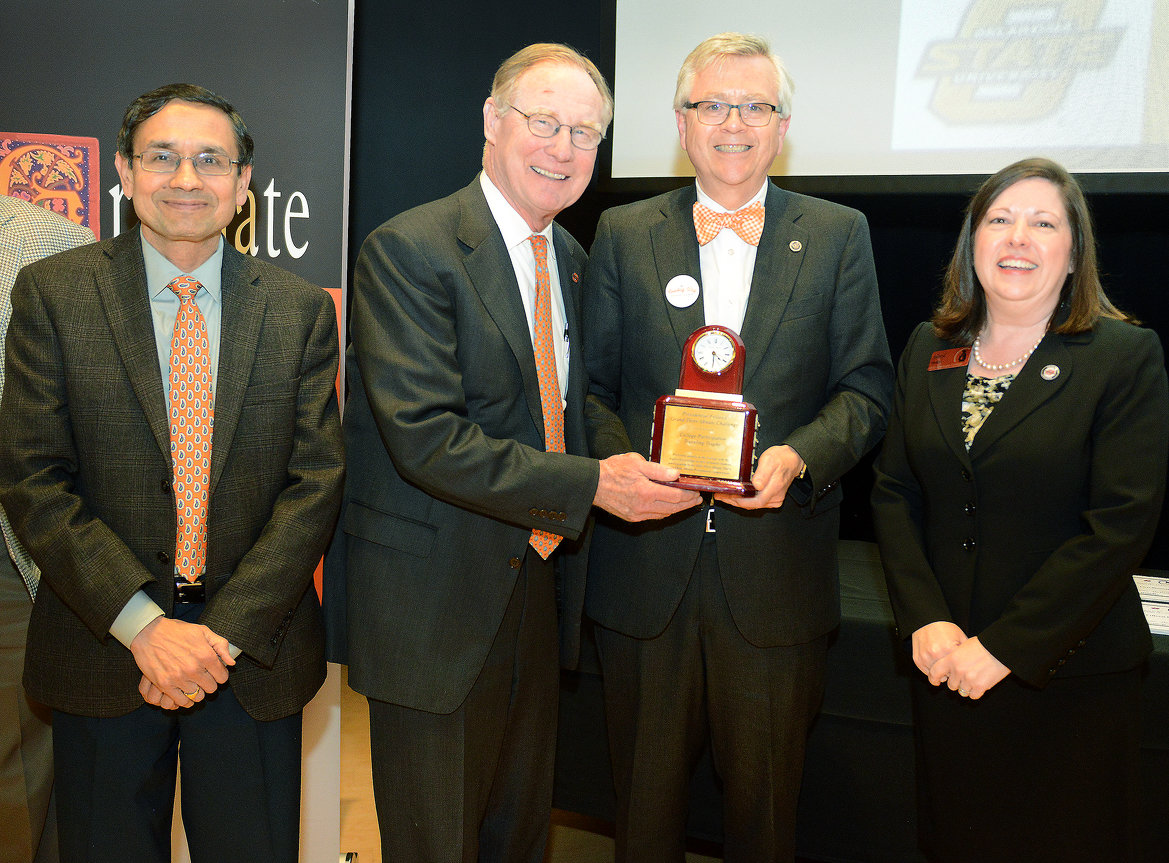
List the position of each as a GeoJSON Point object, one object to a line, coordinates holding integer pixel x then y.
{"type": "Point", "coordinates": [576, 277]}
{"type": "Point", "coordinates": [1049, 373]}
{"type": "Point", "coordinates": [795, 245]}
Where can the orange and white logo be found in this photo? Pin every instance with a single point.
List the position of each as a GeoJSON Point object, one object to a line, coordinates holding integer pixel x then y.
{"type": "Point", "coordinates": [1025, 76]}
{"type": "Point", "coordinates": [1016, 58]}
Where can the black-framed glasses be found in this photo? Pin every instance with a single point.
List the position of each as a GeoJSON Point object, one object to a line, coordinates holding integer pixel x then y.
{"type": "Point", "coordinates": [547, 126]}
{"type": "Point", "coordinates": [712, 113]}
{"type": "Point", "coordinates": [167, 162]}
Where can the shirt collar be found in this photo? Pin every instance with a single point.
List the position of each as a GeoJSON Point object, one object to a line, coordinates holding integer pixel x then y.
{"type": "Point", "coordinates": [710, 202]}
{"type": "Point", "coordinates": [511, 224]}
{"type": "Point", "coordinates": [160, 271]}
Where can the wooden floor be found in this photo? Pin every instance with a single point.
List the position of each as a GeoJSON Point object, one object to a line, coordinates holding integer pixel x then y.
{"type": "Point", "coordinates": [574, 838]}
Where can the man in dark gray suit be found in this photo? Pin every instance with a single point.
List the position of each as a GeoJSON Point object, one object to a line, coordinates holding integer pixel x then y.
{"type": "Point", "coordinates": [456, 492]}
{"type": "Point", "coordinates": [27, 233]}
{"type": "Point", "coordinates": [136, 652]}
{"type": "Point", "coordinates": [714, 623]}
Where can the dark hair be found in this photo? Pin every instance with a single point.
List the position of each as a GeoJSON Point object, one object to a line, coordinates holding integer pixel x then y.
{"type": "Point", "coordinates": [962, 311]}
{"type": "Point", "coordinates": [149, 104]}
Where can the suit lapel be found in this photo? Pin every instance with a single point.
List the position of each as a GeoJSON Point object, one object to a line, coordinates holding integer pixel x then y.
{"type": "Point", "coordinates": [945, 393]}
{"type": "Point", "coordinates": [121, 285]}
{"type": "Point", "coordinates": [244, 304]}
{"type": "Point", "coordinates": [1027, 392]}
{"type": "Point", "coordinates": [777, 264]}
{"type": "Point", "coordinates": [675, 251]}
{"type": "Point", "coordinates": [489, 267]}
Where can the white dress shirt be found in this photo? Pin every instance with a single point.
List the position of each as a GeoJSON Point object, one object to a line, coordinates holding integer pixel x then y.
{"type": "Point", "coordinates": [727, 265]}
{"type": "Point", "coordinates": [516, 236]}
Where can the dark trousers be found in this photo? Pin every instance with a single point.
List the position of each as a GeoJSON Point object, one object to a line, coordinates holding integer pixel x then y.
{"type": "Point", "coordinates": [28, 822]}
{"type": "Point", "coordinates": [1048, 775]}
{"type": "Point", "coordinates": [240, 783]}
{"type": "Point", "coordinates": [699, 680]}
{"type": "Point", "coordinates": [476, 784]}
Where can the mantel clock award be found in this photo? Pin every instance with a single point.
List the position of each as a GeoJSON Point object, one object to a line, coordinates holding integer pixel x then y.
{"type": "Point", "coordinates": [705, 430]}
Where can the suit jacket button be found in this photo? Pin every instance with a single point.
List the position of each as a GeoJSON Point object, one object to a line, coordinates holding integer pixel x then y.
{"type": "Point", "coordinates": [965, 474]}
{"type": "Point", "coordinates": [543, 513]}
{"type": "Point", "coordinates": [533, 512]}
{"type": "Point", "coordinates": [562, 516]}
{"type": "Point", "coordinates": [164, 486]}
{"type": "Point", "coordinates": [163, 557]}
{"type": "Point", "coordinates": [515, 563]}
{"type": "Point", "coordinates": [969, 509]}
{"type": "Point", "coordinates": [969, 545]}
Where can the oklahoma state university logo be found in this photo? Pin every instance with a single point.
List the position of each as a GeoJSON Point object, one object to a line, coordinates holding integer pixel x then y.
{"type": "Point", "coordinates": [1016, 58]}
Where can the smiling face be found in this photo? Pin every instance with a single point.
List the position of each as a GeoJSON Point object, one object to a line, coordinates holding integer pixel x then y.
{"type": "Point", "coordinates": [539, 177]}
{"type": "Point", "coordinates": [1022, 251]}
{"type": "Point", "coordinates": [731, 161]}
{"type": "Point", "coordinates": [182, 213]}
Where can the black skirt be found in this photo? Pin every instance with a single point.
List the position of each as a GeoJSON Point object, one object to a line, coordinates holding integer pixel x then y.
{"type": "Point", "coordinates": [1039, 775]}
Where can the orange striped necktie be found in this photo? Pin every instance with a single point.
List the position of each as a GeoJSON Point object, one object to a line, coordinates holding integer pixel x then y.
{"type": "Point", "coordinates": [747, 223]}
{"type": "Point", "coordinates": [550, 400]}
{"type": "Point", "coordinates": [192, 416]}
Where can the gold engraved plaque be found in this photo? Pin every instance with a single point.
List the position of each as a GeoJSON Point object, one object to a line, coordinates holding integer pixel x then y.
{"type": "Point", "coordinates": [703, 441]}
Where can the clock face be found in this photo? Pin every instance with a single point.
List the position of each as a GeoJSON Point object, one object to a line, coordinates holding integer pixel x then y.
{"type": "Point", "coordinates": [713, 352]}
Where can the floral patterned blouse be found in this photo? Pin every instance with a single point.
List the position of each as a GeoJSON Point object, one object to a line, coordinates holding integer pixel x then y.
{"type": "Point", "coordinates": [978, 400]}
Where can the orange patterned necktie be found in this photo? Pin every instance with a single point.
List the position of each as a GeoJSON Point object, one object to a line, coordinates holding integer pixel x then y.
{"type": "Point", "coordinates": [747, 223]}
{"type": "Point", "coordinates": [550, 399]}
{"type": "Point", "coordinates": [192, 415]}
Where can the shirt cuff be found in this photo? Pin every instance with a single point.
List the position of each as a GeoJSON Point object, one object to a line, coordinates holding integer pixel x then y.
{"type": "Point", "coordinates": [134, 616]}
{"type": "Point", "coordinates": [137, 613]}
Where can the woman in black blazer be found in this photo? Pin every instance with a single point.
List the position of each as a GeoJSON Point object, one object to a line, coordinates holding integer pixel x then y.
{"type": "Point", "coordinates": [1020, 483]}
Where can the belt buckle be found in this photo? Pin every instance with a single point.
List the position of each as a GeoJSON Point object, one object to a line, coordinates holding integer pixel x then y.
{"type": "Point", "coordinates": [189, 592]}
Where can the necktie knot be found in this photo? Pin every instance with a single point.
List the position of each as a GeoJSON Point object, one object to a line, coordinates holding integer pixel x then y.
{"type": "Point", "coordinates": [746, 222]}
{"type": "Point", "coordinates": [185, 287]}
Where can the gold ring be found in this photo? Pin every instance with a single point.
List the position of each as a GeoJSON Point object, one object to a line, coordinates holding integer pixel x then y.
{"type": "Point", "coordinates": [191, 695]}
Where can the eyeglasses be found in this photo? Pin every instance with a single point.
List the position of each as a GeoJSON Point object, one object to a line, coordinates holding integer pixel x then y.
{"type": "Point", "coordinates": [546, 126]}
{"type": "Point", "coordinates": [206, 164]}
{"type": "Point", "coordinates": [716, 113]}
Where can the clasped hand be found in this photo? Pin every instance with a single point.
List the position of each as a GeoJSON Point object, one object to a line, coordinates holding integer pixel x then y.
{"type": "Point", "coordinates": [944, 654]}
{"type": "Point", "coordinates": [180, 662]}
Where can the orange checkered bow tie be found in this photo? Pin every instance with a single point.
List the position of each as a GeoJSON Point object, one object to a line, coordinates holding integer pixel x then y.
{"type": "Point", "coordinates": [747, 223]}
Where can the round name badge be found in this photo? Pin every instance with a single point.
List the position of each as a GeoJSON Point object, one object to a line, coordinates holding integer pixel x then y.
{"type": "Point", "coordinates": [1049, 373]}
{"type": "Point", "coordinates": [682, 291]}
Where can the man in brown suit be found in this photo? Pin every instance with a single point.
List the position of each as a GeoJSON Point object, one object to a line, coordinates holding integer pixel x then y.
{"type": "Point", "coordinates": [133, 658]}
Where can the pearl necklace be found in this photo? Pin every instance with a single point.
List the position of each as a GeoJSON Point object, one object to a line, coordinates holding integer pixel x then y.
{"type": "Point", "coordinates": [1002, 367]}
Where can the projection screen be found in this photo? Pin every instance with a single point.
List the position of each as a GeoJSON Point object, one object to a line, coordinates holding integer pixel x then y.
{"type": "Point", "coordinates": [924, 88]}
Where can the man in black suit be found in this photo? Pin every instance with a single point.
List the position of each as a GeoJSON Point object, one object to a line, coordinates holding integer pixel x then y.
{"type": "Point", "coordinates": [452, 427]}
{"type": "Point", "coordinates": [206, 612]}
{"type": "Point", "coordinates": [714, 623]}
